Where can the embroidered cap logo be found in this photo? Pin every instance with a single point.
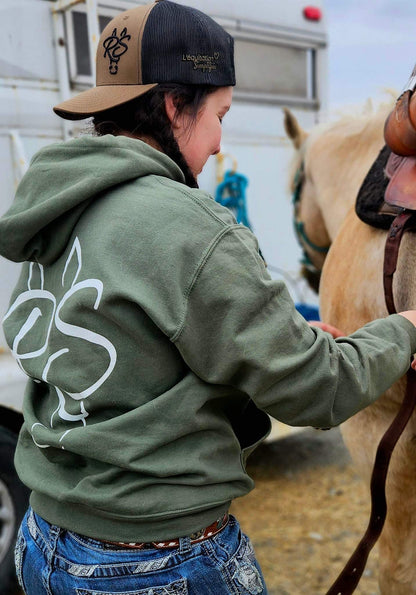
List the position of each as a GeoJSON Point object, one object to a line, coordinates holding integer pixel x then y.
{"type": "Point", "coordinates": [202, 62]}
{"type": "Point", "coordinates": [115, 47]}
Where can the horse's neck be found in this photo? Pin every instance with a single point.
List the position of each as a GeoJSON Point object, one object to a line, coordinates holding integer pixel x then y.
{"type": "Point", "coordinates": [339, 166]}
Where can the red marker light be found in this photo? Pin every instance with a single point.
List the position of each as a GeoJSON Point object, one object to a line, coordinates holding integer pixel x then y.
{"type": "Point", "coordinates": [312, 13]}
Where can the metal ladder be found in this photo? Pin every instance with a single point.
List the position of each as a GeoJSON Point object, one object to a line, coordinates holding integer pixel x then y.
{"type": "Point", "coordinates": [59, 8]}
{"type": "Point", "coordinates": [19, 159]}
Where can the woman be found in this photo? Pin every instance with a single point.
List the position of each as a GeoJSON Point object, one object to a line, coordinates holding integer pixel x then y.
{"type": "Point", "coordinates": [154, 339]}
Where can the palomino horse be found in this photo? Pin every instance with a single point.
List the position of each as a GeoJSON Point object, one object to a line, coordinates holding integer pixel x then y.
{"type": "Point", "coordinates": [336, 159]}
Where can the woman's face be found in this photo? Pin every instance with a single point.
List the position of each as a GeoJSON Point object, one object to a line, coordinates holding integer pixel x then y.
{"type": "Point", "coordinates": [201, 139]}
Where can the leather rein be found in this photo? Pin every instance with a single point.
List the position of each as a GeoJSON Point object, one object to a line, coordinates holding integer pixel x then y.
{"type": "Point", "coordinates": [350, 576]}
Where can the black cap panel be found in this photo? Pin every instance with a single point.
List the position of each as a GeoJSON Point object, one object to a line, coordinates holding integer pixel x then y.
{"type": "Point", "coordinates": [183, 45]}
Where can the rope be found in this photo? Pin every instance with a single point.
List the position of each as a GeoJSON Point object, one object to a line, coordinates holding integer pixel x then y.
{"type": "Point", "coordinates": [231, 193]}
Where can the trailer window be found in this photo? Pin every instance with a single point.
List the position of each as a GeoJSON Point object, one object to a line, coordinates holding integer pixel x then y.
{"type": "Point", "coordinates": [79, 22]}
{"type": "Point", "coordinates": [268, 68]}
{"type": "Point", "coordinates": [79, 58]}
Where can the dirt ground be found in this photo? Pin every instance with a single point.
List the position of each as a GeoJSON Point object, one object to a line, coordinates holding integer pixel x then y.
{"type": "Point", "coordinates": [307, 513]}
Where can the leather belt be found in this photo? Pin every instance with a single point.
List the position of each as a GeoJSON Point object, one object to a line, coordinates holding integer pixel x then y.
{"type": "Point", "coordinates": [206, 533]}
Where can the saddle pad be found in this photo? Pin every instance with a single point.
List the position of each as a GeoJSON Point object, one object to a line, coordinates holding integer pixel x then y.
{"type": "Point", "coordinates": [370, 198]}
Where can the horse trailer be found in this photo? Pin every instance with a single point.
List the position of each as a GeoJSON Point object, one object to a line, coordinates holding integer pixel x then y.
{"type": "Point", "coordinates": [48, 55]}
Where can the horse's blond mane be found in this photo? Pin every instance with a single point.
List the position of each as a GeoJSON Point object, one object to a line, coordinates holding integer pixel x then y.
{"type": "Point", "coordinates": [354, 121]}
{"type": "Point", "coordinates": [355, 126]}
{"type": "Point", "coordinates": [358, 129]}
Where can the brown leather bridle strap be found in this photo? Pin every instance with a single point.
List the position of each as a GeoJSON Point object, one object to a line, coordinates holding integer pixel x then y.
{"type": "Point", "coordinates": [391, 253]}
{"type": "Point", "coordinates": [350, 576]}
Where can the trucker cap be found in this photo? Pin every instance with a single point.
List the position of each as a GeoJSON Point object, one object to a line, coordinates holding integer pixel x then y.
{"type": "Point", "coordinates": [162, 42]}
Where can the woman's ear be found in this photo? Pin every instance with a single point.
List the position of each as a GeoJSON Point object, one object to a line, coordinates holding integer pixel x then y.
{"type": "Point", "coordinates": [170, 108]}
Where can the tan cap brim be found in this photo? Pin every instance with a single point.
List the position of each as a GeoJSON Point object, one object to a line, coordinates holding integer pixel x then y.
{"type": "Point", "coordinates": [99, 99]}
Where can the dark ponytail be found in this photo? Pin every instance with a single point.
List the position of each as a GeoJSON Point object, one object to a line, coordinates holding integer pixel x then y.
{"type": "Point", "coordinates": [145, 117]}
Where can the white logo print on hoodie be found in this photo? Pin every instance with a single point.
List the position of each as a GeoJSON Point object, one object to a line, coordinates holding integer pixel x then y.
{"type": "Point", "coordinates": [50, 310]}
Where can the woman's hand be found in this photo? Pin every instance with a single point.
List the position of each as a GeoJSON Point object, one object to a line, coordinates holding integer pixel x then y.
{"type": "Point", "coordinates": [411, 317]}
{"type": "Point", "coordinates": [328, 328]}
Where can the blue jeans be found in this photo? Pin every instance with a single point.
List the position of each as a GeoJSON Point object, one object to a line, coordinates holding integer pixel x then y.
{"type": "Point", "coordinates": [53, 561]}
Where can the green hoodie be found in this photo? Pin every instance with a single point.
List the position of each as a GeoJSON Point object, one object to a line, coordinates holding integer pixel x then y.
{"type": "Point", "coordinates": [155, 342]}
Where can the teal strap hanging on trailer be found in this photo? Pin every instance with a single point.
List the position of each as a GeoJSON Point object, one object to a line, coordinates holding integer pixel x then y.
{"type": "Point", "coordinates": [231, 193]}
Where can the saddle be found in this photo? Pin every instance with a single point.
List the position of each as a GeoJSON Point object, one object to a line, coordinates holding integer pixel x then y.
{"type": "Point", "coordinates": [390, 185]}
{"type": "Point", "coordinates": [401, 189]}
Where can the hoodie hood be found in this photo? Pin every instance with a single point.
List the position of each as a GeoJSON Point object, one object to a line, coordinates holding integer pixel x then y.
{"type": "Point", "coordinates": [62, 181]}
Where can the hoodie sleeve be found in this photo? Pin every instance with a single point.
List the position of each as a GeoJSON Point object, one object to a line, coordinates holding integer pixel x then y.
{"type": "Point", "coordinates": [241, 328]}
